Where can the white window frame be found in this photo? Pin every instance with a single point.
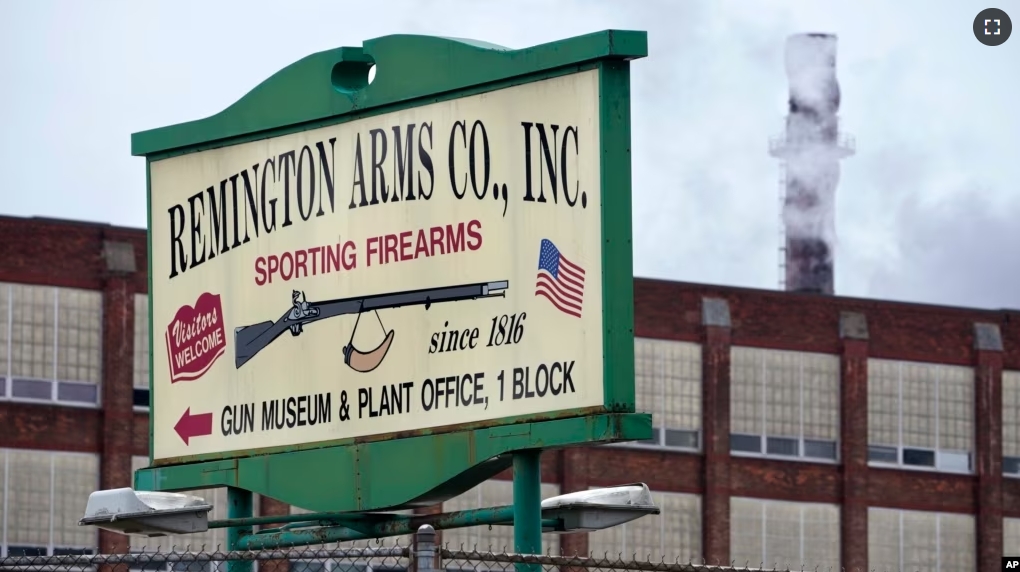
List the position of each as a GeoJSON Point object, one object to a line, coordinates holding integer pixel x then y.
{"type": "Point", "coordinates": [763, 437]}
{"type": "Point", "coordinates": [803, 506]}
{"type": "Point", "coordinates": [659, 432]}
{"type": "Point", "coordinates": [4, 526]}
{"type": "Point", "coordinates": [941, 456]}
{"type": "Point", "coordinates": [7, 387]}
{"type": "Point", "coordinates": [938, 536]}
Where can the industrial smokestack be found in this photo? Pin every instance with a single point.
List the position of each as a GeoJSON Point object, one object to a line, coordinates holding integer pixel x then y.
{"type": "Point", "coordinates": [810, 149]}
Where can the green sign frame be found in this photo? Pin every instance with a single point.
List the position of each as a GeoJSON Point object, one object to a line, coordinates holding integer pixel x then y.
{"type": "Point", "coordinates": [331, 87]}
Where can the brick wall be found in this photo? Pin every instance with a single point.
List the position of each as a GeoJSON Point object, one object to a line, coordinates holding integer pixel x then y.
{"type": "Point", "coordinates": [70, 254]}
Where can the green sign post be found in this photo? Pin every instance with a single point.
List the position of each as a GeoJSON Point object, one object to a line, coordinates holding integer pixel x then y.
{"type": "Point", "coordinates": [374, 293]}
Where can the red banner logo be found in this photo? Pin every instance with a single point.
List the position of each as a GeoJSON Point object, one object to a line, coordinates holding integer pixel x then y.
{"type": "Point", "coordinates": [196, 338]}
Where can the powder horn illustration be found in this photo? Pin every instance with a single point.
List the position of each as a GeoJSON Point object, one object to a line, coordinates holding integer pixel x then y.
{"type": "Point", "coordinates": [250, 340]}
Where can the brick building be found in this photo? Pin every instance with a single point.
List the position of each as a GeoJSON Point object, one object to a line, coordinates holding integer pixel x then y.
{"type": "Point", "coordinates": [789, 428]}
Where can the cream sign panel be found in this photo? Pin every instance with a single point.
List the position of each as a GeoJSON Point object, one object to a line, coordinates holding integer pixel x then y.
{"type": "Point", "coordinates": [424, 268]}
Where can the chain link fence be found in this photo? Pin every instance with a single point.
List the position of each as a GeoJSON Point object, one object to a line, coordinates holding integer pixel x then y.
{"type": "Point", "coordinates": [420, 554]}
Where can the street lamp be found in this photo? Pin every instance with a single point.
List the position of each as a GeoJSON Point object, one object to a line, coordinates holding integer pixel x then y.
{"type": "Point", "coordinates": [146, 513]}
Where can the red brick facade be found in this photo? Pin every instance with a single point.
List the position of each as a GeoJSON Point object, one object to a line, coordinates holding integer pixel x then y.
{"type": "Point", "coordinates": [70, 254]}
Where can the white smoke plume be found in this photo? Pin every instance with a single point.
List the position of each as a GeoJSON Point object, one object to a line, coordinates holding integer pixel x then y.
{"type": "Point", "coordinates": [812, 154]}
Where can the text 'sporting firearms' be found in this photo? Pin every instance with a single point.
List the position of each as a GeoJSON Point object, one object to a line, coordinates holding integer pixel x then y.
{"type": "Point", "coordinates": [250, 340]}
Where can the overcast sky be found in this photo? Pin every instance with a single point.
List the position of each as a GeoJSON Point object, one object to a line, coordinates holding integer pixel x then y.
{"type": "Point", "coordinates": [928, 209]}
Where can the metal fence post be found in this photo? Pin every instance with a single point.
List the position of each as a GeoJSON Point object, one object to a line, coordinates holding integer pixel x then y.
{"type": "Point", "coordinates": [425, 549]}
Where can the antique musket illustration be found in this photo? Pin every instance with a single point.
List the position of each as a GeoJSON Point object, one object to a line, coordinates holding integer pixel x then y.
{"type": "Point", "coordinates": [250, 340]}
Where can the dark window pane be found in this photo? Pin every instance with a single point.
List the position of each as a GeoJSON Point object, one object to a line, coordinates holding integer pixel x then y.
{"type": "Point", "coordinates": [745, 443]}
{"type": "Point", "coordinates": [655, 438]}
{"type": "Point", "coordinates": [918, 457]}
{"type": "Point", "coordinates": [819, 449]}
{"type": "Point", "coordinates": [31, 389]}
{"type": "Point", "coordinates": [77, 392]}
{"type": "Point", "coordinates": [681, 438]}
{"type": "Point", "coordinates": [191, 567]}
{"type": "Point", "coordinates": [1011, 465]}
{"type": "Point", "coordinates": [71, 551]}
{"type": "Point", "coordinates": [26, 551]}
{"type": "Point", "coordinates": [141, 397]}
{"type": "Point", "coordinates": [880, 454]}
{"type": "Point", "coordinates": [784, 446]}
{"type": "Point", "coordinates": [307, 566]}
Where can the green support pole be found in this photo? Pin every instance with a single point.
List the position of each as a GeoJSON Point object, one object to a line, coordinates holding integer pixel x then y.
{"type": "Point", "coordinates": [528, 506]}
{"type": "Point", "coordinates": [239, 505]}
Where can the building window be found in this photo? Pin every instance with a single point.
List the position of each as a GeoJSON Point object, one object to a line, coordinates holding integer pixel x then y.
{"type": "Point", "coordinates": [667, 384]}
{"type": "Point", "coordinates": [51, 344]}
{"type": "Point", "coordinates": [674, 533]}
{"type": "Point", "coordinates": [784, 404]}
{"type": "Point", "coordinates": [915, 540]}
{"type": "Point", "coordinates": [1011, 423]}
{"type": "Point", "coordinates": [141, 383]}
{"type": "Point", "coordinates": [1010, 536]}
{"type": "Point", "coordinates": [43, 495]}
{"type": "Point", "coordinates": [920, 416]}
{"type": "Point", "coordinates": [776, 534]}
{"type": "Point", "coordinates": [496, 538]}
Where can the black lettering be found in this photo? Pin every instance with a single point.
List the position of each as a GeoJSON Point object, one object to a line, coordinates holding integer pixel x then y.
{"type": "Point", "coordinates": [177, 257]}
{"type": "Point", "coordinates": [378, 158]}
{"type": "Point", "coordinates": [477, 399]}
{"type": "Point", "coordinates": [359, 176]}
{"type": "Point", "coordinates": [471, 160]}
{"type": "Point", "coordinates": [542, 380]}
{"type": "Point", "coordinates": [325, 408]}
{"type": "Point", "coordinates": [406, 387]}
{"type": "Point", "coordinates": [251, 211]}
{"type": "Point", "coordinates": [519, 375]}
{"type": "Point", "coordinates": [302, 410]}
{"type": "Point", "coordinates": [218, 218]}
{"type": "Point", "coordinates": [527, 161]}
{"type": "Point", "coordinates": [197, 239]}
{"type": "Point", "coordinates": [287, 164]}
{"type": "Point", "coordinates": [269, 415]}
{"type": "Point", "coordinates": [549, 154]}
{"type": "Point", "coordinates": [311, 183]}
{"type": "Point", "coordinates": [326, 172]}
{"type": "Point", "coordinates": [291, 413]}
{"type": "Point", "coordinates": [453, 181]}
{"type": "Point", "coordinates": [248, 416]}
{"type": "Point", "coordinates": [554, 387]}
{"type": "Point", "coordinates": [428, 395]}
{"type": "Point", "coordinates": [233, 204]}
{"type": "Point", "coordinates": [363, 398]}
{"type": "Point", "coordinates": [403, 162]}
{"type": "Point", "coordinates": [269, 227]}
{"type": "Point", "coordinates": [426, 161]}
{"type": "Point", "coordinates": [570, 130]}
{"type": "Point", "coordinates": [567, 380]}
{"type": "Point", "coordinates": [226, 421]}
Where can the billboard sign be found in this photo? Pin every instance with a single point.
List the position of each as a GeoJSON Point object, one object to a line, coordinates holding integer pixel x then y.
{"type": "Point", "coordinates": [427, 269]}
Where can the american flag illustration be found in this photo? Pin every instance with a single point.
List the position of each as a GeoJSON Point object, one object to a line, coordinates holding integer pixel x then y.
{"type": "Point", "coordinates": [559, 280]}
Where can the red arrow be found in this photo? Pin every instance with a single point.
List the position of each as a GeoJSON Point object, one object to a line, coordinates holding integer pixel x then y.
{"type": "Point", "coordinates": [193, 425]}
